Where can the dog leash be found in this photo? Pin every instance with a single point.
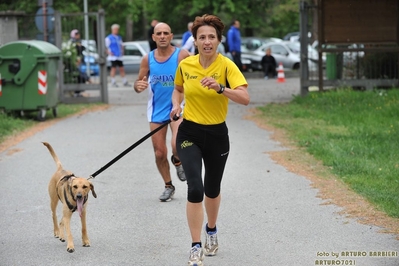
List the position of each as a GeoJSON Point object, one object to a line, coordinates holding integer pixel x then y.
{"type": "Point", "coordinates": [134, 145]}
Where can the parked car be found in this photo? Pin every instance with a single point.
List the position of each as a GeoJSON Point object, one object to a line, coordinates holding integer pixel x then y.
{"type": "Point", "coordinates": [281, 51]}
{"type": "Point", "coordinates": [93, 65]}
{"type": "Point", "coordinates": [133, 53]}
{"type": "Point", "coordinates": [253, 43]}
{"type": "Point", "coordinates": [295, 36]}
{"type": "Point", "coordinates": [312, 52]}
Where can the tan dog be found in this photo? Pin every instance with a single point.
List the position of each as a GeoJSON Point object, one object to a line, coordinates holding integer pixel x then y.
{"type": "Point", "coordinates": [73, 192]}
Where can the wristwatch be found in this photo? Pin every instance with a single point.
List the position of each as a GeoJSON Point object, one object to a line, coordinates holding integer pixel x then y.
{"type": "Point", "coordinates": [221, 89]}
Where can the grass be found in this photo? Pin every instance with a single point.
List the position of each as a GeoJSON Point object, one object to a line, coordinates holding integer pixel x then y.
{"type": "Point", "coordinates": [354, 133]}
{"type": "Point", "coordinates": [10, 125]}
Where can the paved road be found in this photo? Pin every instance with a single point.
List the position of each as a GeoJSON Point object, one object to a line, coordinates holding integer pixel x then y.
{"type": "Point", "coordinates": [269, 216]}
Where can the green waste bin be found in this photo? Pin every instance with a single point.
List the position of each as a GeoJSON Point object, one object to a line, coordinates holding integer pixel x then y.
{"type": "Point", "coordinates": [28, 74]}
{"type": "Point", "coordinates": [331, 66]}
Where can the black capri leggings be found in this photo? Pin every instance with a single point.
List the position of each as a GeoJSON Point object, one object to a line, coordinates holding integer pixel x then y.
{"type": "Point", "coordinates": [210, 144]}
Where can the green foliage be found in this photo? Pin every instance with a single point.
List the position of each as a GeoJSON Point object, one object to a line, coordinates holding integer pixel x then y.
{"type": "Point", "coordinates": [263, 18]}
{"type": "Point", "coordinates": [353, 133]}
{"type": "Point", "coordinates": [10, 125]}
{"type": "Point", "coordinates": [70, 59]}
{"type": "Point", "coordinates": [31, 6]}
{"type": "Point", "coordinates": [69, 52]}
{"type": "Point", "coordinates": [284, 18]}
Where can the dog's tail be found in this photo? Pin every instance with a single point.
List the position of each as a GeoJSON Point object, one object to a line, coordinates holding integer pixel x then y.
{"type": "Point", "coordinates": [55, 157]}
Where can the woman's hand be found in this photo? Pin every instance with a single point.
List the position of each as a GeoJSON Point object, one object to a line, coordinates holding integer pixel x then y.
{"type": "Point", "coordinates": [175, 113]}
{"type": "Point", "coordinates": [211, 83]}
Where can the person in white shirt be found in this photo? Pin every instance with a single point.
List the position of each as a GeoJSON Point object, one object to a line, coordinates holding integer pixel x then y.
{"type": "Point", "coordinates": [114, 45]}
{"type": "Point", "coordinates": [189, 45]}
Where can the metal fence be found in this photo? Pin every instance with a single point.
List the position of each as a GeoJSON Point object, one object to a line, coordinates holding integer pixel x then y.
{"type": "Point", "coordinates": [81, 78]}
{"type": "Point", "coordinates": [364, 63]}
{"type": "Point", "coordinates": [360, 65]}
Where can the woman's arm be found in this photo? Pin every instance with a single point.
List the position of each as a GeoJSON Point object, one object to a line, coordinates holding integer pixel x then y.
{"type": "Point", "coordinates": [177, 98]}
{"type": "Point", "coordinates": [239, 94]}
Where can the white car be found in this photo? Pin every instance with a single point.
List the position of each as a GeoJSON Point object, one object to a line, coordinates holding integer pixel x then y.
{"type": "Point", "coordinates": [133, 53]}
{"type": "Point", "coordinates": [313, 55]}
{"type": "Point", "coordinates": [283, 52]}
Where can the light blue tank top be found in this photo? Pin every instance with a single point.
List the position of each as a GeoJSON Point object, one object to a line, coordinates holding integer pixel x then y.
{"type": "Point", "coordinates": [161, 80]}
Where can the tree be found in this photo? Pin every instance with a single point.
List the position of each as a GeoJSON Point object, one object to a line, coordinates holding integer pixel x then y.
{"type": "Point", "coordinates": [284, 18]}
{"type": "Point", "coordinates": [263, 18]}
{"type": "Point", "coordinates": [249, 12]}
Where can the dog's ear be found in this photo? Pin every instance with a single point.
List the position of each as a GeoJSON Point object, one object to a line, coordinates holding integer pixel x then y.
{"type": "Point", "coordinates": [92, 190]}
{"type": "Point", "coordinates": [70, 180]}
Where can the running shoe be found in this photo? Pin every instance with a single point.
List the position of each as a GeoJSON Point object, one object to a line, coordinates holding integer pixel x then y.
{"type": "Point", "coordinates": [196, 256]}
{"type": "Point", "coordinates": [179, 169]}
{"type": "Point", "coordinates": [211, 243]}
{"type": "Point", "coordinates": [126, 84]}
{"type": "Point", "coordinates": [167, 193]}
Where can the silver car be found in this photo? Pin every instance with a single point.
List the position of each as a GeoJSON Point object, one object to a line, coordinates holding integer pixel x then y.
{"type": "Point", "coordinates": [280, 51]}
{"type": "Point", "coordinates": [285, 53]}
{"type": "Point", "coordinates": [133, 53]}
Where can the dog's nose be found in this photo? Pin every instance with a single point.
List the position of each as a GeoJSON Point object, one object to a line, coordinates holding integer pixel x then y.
{"type": "Point", "coordinates": [79, 196]}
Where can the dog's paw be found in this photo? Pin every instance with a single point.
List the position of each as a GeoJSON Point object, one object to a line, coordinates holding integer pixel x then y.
{"type": "Point", "coordinates": [70, 250]}
{"type": "Point", "coordinates": [86, 245]}
{"type": "Point", "coordinates": [62, 240]}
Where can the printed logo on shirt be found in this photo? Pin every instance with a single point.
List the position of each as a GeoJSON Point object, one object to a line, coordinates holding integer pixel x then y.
{"type": "Point", "coordinates": [215, 76]}
{"type": "Point", "coordinates": [164, 80]}
{"type": "Point", "coordinates": [186, 144]}
{"type": "Point", "coordinates": [188, 76]}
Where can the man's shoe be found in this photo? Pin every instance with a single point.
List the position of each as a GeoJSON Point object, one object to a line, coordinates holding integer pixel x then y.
{"type": "Point", "coordinates": [167, 194]}
{"type": "Point", "coordinates": [211, 243]}
{"type": "Point", "coordinates": [126, 84]}
{"type": "Point", "coordinates": [179, 169]}
{"type": "Point", "coordinates": [180, 173]}
{"type": "Point", "coordinates": [196, 256]}
{"type": "Point", "coordinates": [115, 85]}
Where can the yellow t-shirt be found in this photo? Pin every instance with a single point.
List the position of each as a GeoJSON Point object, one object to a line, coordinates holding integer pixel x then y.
{"type": "Point", "coordinates": [202, 105]}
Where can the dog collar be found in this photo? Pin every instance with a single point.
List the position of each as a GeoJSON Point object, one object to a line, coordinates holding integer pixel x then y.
{"type": "Point", "coordinates": [71, 207]}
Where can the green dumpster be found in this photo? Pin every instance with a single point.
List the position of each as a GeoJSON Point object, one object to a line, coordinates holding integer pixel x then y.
{"type": "Point", "coordinates": [331, 66]}
{"type": "Point", "coordinates": [28, 77]}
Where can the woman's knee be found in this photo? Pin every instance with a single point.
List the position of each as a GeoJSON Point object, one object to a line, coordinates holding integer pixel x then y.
{"type": "Point", "coordinates": [212, 192]}
{"type": "Point", "coordinates": [195, 195]}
